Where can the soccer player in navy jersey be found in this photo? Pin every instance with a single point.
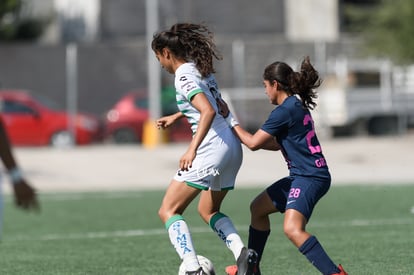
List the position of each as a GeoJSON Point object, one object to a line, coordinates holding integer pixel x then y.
{"type": "Point", "coordinates": [290, 129]}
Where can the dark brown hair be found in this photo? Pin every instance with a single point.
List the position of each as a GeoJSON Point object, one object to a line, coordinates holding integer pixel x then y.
{"type": "Point", "coordinates": [302, 83]}
{"type": "Point", "coordinates": [190, 42]}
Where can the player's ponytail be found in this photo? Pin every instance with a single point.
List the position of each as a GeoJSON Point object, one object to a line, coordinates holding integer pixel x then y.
{"type": "Point", "coordinates": [301, 83]}
{"type": "Point", "coordinates": [305, 82]}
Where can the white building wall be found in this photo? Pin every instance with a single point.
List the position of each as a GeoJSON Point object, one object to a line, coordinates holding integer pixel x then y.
{"type": "Point", "coordinates": [78, 19]}
{"type": "Point", "coordinates": [312, 21]}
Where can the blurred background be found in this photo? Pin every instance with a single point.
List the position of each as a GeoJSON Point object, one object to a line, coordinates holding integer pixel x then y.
{"type": "Point", "coordinates": [90, 58]}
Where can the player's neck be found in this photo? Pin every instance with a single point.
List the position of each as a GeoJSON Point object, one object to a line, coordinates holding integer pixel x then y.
{"type": "Point", "coordinates": [281, 97]}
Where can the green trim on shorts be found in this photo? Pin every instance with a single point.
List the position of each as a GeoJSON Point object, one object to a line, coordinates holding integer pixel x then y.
{"type": "Point", "coordinates": [215, 218]}
{"type": "Point", "coordinates": [202, 187]}
{"type": "Point", "coordinates": [172, 220]}
{"type": "Point", "coordinates": [195, 185]}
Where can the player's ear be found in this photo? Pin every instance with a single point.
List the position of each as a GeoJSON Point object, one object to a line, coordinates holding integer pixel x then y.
{"type": "Point", "coordinates": [166, 53]}
{"type": "Point", "coordinates": [275, 84]}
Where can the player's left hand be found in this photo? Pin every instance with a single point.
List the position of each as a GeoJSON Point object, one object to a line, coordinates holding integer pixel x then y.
{"type": "Point", "coordinates": [25, 196]}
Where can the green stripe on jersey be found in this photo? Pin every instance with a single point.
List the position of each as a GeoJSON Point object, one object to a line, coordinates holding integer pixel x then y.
{"type": "Point", "coordinates": [193, 93]}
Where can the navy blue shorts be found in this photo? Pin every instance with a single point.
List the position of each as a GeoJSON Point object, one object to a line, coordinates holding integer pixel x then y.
{"type": "Point", "coordinates": [299, 193]}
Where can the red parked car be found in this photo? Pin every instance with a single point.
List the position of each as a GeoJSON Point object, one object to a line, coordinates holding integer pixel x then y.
{"type": "Point", "coordinates": [124, 122]}
{"type": "Point", "coordinates": [30, 121]}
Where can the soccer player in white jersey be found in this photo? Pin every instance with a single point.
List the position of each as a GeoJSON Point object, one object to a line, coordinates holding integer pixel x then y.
{"type": "Point", "coordinates": [213, 158]}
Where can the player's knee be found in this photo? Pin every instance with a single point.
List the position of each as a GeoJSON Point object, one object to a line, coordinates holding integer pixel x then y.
{"type": "Point", "coordinates": [255, 206]}
{"type": "Point", "coordinates": [258, 210]}
{"type": "Point", "coordinates": [204, 214]}
{"type": "Point", "coordinates": [162, 213]}
{"type": "Point", "coordinates": [292, 232]}
{"type": "Point", "coordinates": [167, 212]}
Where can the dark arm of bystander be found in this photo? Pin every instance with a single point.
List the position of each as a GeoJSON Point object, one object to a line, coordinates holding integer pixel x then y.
{"type": "Point", "coordinates": [24, 194]}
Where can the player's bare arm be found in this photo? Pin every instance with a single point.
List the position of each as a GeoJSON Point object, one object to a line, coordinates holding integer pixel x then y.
{"type": "Point", "coordinates": [260, 140]}
{"type": "Point", "coordinates": [271, 145]}
{"type": "Point", "coordinates": [24, 195]}
{"type": "Point", "coordinates": [167, 121]}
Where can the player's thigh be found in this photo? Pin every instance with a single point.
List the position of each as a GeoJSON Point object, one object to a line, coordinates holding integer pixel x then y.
{"type": "Point", "coordinates": [305, 193]}
{"type": "Point", "coordinates": [176, 199]}
{"type": "Point", "coordinates": [278, 193]}
{"type": "Point", "coordinates": [262, 205]}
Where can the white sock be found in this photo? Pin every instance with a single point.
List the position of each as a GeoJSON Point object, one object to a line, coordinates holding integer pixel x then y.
{"type": "Point", "coordinates": [180, 238]}
{"type": "Point", "coordinates": [226, 231]}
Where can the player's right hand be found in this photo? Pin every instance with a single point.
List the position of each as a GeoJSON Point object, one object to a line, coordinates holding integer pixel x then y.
{"type": "Point", "coordinates": [165, 122]}
{"type": "Point", "coordinates": [223, 109]}
{"type": "Point", "coordinates": [25, 196]}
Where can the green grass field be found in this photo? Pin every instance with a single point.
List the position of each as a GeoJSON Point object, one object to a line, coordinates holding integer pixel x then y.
{"type": "Point", "coordinates": [369, 229]}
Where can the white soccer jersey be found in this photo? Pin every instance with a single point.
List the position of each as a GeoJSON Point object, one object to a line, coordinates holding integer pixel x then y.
{"type": "Point", "coordinates": [189, 82]}
{"type": "Point", "coordinates": [219, 156]}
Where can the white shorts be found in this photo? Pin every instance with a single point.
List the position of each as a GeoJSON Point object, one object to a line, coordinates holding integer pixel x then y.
{"type": "Point", "coordinates": [216, 164]}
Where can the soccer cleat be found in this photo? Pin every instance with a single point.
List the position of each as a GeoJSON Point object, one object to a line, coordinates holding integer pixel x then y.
{"type": "Point", "coordinates": [256, 270]}
{"type": "Point", "coordinates": [247, 262]}
{"type": "Point", "coordinates": [197, 272]}
{"type": "Point", "coordinates": [232, 270]}
{"type": "Point", "coordinates": [342, 271]}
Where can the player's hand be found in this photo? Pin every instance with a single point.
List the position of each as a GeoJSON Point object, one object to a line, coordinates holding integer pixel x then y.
{"type": "Point", "coordinates": [25, 196]}
{"type": "Point", "coordinates": [186, 160]}
{"type": "Point", "coordinates": [162, 123]}
{"type": "Point", "coordinates": [223, 109]}
{"type": "Point", "coordinates": [165, 122]}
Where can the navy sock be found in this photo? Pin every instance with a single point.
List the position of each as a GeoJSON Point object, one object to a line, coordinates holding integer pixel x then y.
{"type": "Point", "coordinates": [257, 240]}
{"type": "Point", "coordinates": [313, 250]}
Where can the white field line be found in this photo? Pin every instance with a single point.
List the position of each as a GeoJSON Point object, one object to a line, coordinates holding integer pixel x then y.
{"type": "Point", "coordinates": [83, 196]}
{"type": "Point", "coordinates": [206, 229]}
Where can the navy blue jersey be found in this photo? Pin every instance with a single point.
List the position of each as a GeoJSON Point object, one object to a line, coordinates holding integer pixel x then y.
{"type": "Point", "coordinates": [293, 127]}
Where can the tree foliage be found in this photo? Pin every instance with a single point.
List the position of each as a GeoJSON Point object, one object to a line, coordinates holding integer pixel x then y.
{"type": "Point", "coordinates": [13, 26]}
{"type": "Point", "coordinates": [388, 29]}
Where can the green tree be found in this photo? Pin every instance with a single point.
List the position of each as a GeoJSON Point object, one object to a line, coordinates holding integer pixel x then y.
{"type": "Point", "coordinates": [388, 29]}
{"type": "Point", "coordinates": [13, 26]}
